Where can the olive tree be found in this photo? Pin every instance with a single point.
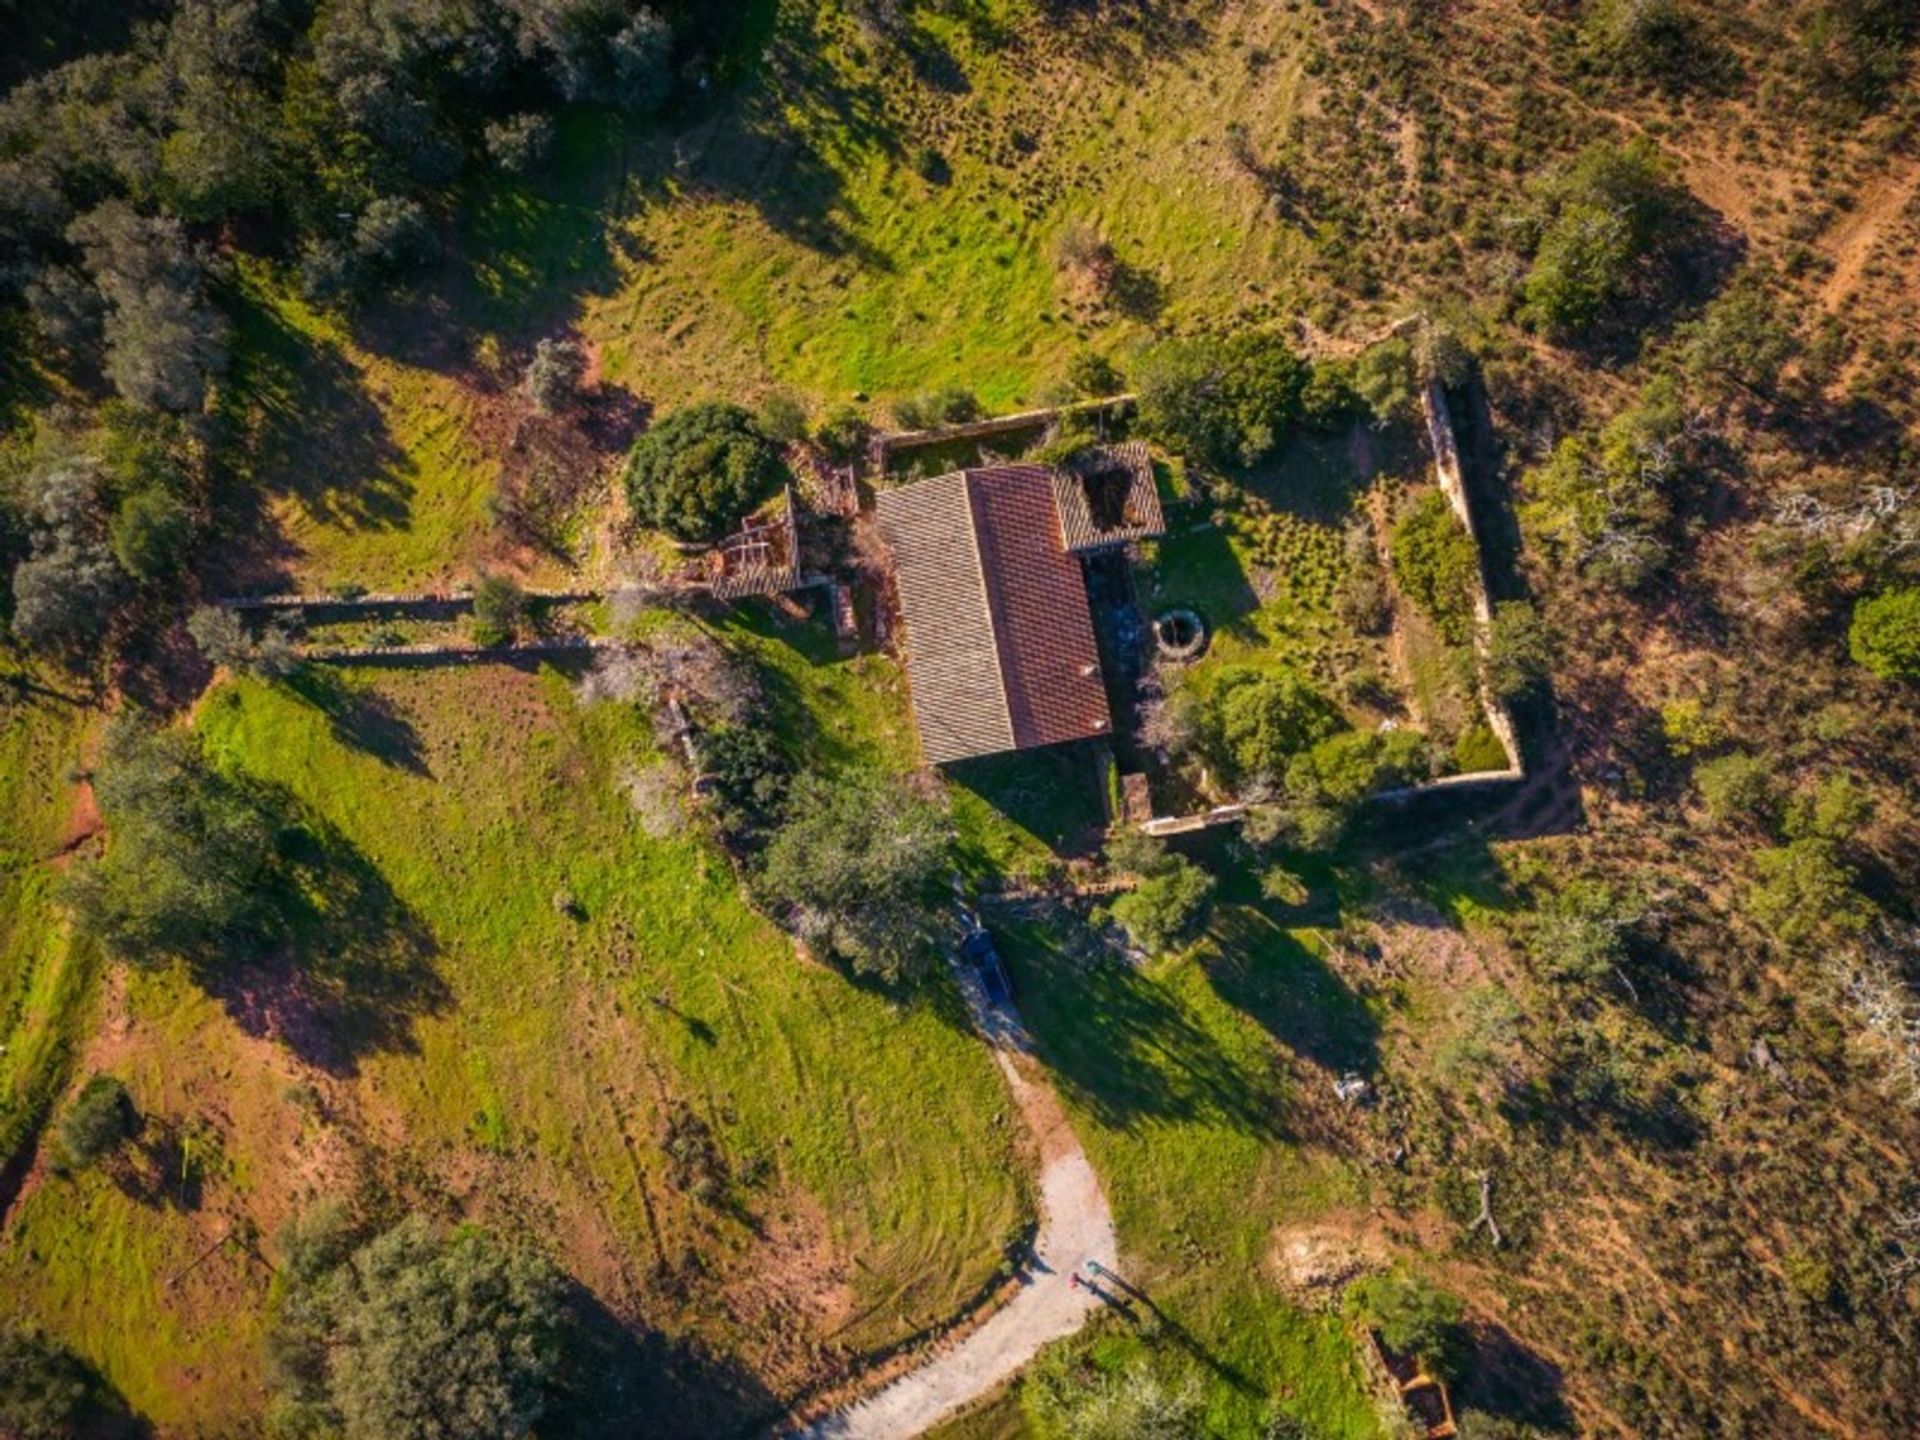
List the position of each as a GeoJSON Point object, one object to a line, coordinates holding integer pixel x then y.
{"type": "Point", "coordinates": [423, 1335]}
{"type": "Point", "coordinates": [859, 862]}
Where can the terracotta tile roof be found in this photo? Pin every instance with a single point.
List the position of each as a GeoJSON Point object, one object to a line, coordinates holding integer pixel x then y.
{"type": "Point", "coordinates": [1000, 647]}
{"type": "Point", "coordinates": [1129, 507]}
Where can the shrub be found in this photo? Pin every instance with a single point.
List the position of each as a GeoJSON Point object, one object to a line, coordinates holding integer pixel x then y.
{"type": "Point", "coordinates": [1221, 403]}
{"type": "Point", "coordinates": [1579, 934]}
{"type": "Point", "coordinates": [1259, 719]}
{"type": "Point", "coordinates": [1604, 504]}
{"type": "Point", "coordinates": [1646, 39]}
{"type": "Point", "coordinates": [1885, 634]}
{"type": "Point", "coordinates": [844, 435]}
{"type": "Point", "coordinates": [748, 772]}
{"type": "Point", "coordinates": [1168, 908]}
{"type": "Point", "coordinates": [150, 533]}
{"type": "Point", "coordinates": [1435, 565]}
{"type": "Point", "coordinates": [700, 470]}
{"type": "Point", "coordinates": [1413, 1318]}
{"type": "Point", "coordinates": [1093, 375]}
{"type": "Point", "coordinates": [1839, 807]}
{"type": "Point", "coordinates": [1690, 727]}
{"type": "Point", "coordinates": [1803, 890]}
{"type": "Point", "coordinates": [1607, 214]}
{"type": "Point", "coordinates": [783, 417]}
{"type": "Point", "coordinates": [499, 605]}
{"type": "Point", "coordinates": [554, 374]}
{"type": "Point", "coordinates": [100, 1120]}
{"type": "Point", "coordinates": [1740, 340]}
{"type": "Point", "coordinates": [1346, 768]}
{"type": "Point", "coordinates": [518, 143]}
{"type": "Point", "coordinates": [224, 640]}
{"type": "Point", "coordinates": [392, 236]}
{"type": "Point", "coordinates": [1329, 400]}
{"type": "Point", "coordinates": [1520, 651]}
{"type": "Point", "coordinates": [860, 862]}
{"type": "Point", "coordinates": [1737, 787]}
{"type": "Point", "coordinates": [1477, 749]}
{"type": "Point", "coordinates": [955, 405]}
{"type": "Point", "coordinates": [419, 1336]}
{"type": "Point", "coordinates": [1385, 379]}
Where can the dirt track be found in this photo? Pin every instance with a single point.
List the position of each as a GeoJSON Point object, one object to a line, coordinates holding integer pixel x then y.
{"type": "Point", "coordinates": [1075, 1226]}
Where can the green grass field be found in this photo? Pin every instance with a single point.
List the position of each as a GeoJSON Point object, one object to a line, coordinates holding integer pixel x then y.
{"type": "Point", "coordinates": [1177, 1080]}
{"type": "Point", "coordinates": [45, 976]}
{"type": "Point", "coordinates": [481, 1051]}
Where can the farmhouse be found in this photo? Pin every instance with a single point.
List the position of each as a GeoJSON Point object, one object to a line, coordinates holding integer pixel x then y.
{"type": "Point", "coordinates": [1000, 644]}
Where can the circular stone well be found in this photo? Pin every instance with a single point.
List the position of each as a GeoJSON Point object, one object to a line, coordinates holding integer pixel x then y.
{"type": "Point", "coordinates": [1180, 634]}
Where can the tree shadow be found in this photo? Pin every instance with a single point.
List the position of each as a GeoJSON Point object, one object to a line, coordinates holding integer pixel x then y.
{"type": "Point", "coordinates": [300, 426]}
{"type": "Point", "coordinates": [618, 1373]}
{"type": "Point", "coordinates": [1135, 292]}
{"type": "Point", "coordinates": [1266, 973]}
{"type": "Point", "coordinates": [783, 145]}
{"type": "Point", "coordinates": [351, 967]}
{"type": "Point", "coordinates": [1505, 1379]}
{"type": "Point", "coordinates": [1122, 1046]}
{"type": "Point", "coordinates": [365, 719]}
{"type": "Point", "coordinates": [1053, 794]}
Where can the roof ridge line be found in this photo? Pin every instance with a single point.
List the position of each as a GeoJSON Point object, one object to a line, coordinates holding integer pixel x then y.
{"type": "Point", "coordinates": [986, 603]}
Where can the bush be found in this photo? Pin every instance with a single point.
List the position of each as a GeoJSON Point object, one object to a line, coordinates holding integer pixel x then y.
{"type": "Point", "coordinates": [1803, 891]}
{"type": "Point", "coordinates": [1837, 810]}
{"type": "Point", "coordinates": [554, 374]}
{"type": "Point", "coordinates": [518, 143]}
{"type": "Point", "coordinates": [1384, 378]}
{"type": "Point", "coordinates": [1345, 768]}
{"type": "Point", "coordinates": [1885, 634]}
{"type": "Point", "coordinates": [1737, 787]}
{"type": "Point", "coordinates": [1413, 1318]}
{"type": "Point", "coordinates": [1169, 907]}
{"type": "Point", "coordinates": [1579, 934]}
{"type": "Point", "coordinates": [955, 405]}
{"type": "Point", "coordinates": [1646, 39]}
{"type": "Point", "coordinates": [225, 641]}
{"type": "Point", "coordinates": [1520, 651]}
{"type": "Point", "coordinates": [1608, 216]}
{"type": "Point", "coordinates": [392, 236]}
{"type": "Point", "coordinates": [783, 418]}
{"type": "Point", "coordinates": [1436, 566]}
{"type": "Point", "coordinates": [1258, 720]}
{"type": "Point", "coordinates": [1095, 376]}
{"type": "Point", "coordinates": [698, 472]}
{"type": "Point", "coordinates": [100, 1120]}
{"type": "Point", "coordinates": [843, 435]}
{"type": "Point", "coordinates": [1740, 340]}
{"type": "Point", "coordinates": [1329, 400]}
{"type": "Point", "coordinates": [1477, 749]}
{"type": "Point", "coordinates": [748, 772]}
{"type": "Point", "coordinates": [150, 533]}
{"type": "Point", "coordinates": [419, 1336]}
{"type": "Point", "coordinates": [499, 606]}
{"type": "Point", "coordinates": [1221, 403]}
{"type": "Point", "coordinates": [1604, 504]}
{"type": "Point", "coordinates": [861, 864]}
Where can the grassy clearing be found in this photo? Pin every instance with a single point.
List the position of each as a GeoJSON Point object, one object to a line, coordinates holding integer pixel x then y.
{"type": "Point", "coordinates": [373, 472]}
{"type": "Point", "coordinates": [480, 1050]}
{"type": "Point", "coordinates": [830, 263]}
{"type": "Point", "coordinates": [44, 975]}
{"type": "Point", "coordinates": [1179, 1078]}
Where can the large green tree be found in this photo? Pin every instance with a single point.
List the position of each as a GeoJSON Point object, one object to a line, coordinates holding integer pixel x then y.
{"type": "Point", "coordinates": [698, 471]}
{"type": "Point", "coordinates": [860, 863]}
{"type": "Point", "coordinates": [189, 850]}
{"type": "Point", "coordinates": [422, 1335]}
